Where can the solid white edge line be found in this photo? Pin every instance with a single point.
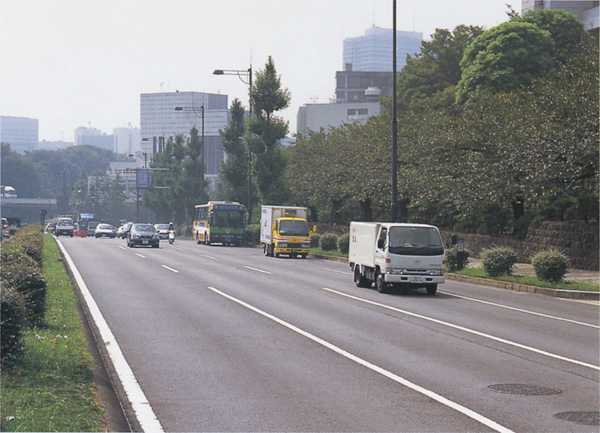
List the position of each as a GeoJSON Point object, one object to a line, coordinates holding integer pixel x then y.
{"type": "Point", "coordinates": [143, 411]}
{"type": "Point", "coordinates": [470, 331]}
{"type": "Point", "coordinates": [520, 310]}
{"type": "Point", "coordinates": [434, 396]}
{"type": "Point", "coordinates": [170, 269]}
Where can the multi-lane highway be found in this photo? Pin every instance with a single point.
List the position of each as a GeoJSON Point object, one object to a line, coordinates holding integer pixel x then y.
{"type": "Point", "coordinates": [226, 339]}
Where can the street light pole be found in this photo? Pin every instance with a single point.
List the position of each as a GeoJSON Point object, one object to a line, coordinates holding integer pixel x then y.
{"type": "Point", "coordinates": [193, 110]}
{"type": "Point", "coordinates": [240, 73]}
{"type": "Point", "coordinates": [394, 123]}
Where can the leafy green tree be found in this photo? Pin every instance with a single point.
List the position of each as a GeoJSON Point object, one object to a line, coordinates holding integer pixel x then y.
{"type": "Point", "coordinates": [504, 58]}
{"type": "Point", "coordinates": [430, 77]}
{"type": "Point", "coordinates": [566, 29]}
{"type": "Point", "coordinates": [234, 171]}
{"type": "Point", "coordinates": [264, 134]}
{"type": "Point", "coordinates": [194, 182]}
{"type": "Point", "coordinates": [20, 172]}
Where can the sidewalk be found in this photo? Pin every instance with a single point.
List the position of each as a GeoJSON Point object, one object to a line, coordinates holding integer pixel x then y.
{"type": "Point", "coordinates": [526, 269]}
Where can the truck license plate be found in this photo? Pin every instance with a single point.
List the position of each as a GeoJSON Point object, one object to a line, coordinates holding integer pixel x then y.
{"type": "Point", "coordinates": [144, 242]}
{"type": "Point", "coordinates": [417, 279]}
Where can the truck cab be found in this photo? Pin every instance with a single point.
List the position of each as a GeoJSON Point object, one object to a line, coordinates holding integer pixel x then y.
{"type": "Point", "coordinates": [284, 231]}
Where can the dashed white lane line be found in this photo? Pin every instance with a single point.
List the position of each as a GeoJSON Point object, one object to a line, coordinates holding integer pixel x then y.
{"type": "Point", "coordinates": [170, 269]}
{"type": "Point", "coordinates": [470, 331]}
{"type": "Point", "coordinates": [140, 255]}
{"type": "Point", "coordinates": [402, 381]}
{"type": "Point", "coordinates": [258, 270]}
{"type": "Point", "coordinates": [337, 272]}
{"type": "Point", "coordinates": [140, 404]}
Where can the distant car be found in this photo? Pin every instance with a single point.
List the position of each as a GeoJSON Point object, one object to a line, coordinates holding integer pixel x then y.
{"type": "Point", "coordinates": [64, 226]}
{"type": "Point", "coordinates": [5, 228]}
{"type": "Point", "coordinates": [162, 230]}
{"type": "Point", "coordinates": [144, 235]}
{"type": "Point", "coordinates": [105, 231]}
{"type": "Point", "coordinates": [123, 230]}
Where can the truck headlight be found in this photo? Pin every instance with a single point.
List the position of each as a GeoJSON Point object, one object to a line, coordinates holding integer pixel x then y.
{"type": "Point", "coordinates": [394, 271]}
{"type": "Point", "coordinates": [282, 245]}
{"type": "Point", "coordinates": [305, 245]}
{"type": "Point", "coordinates": [436, 272]}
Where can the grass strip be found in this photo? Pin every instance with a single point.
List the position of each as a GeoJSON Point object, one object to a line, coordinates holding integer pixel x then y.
{"type": "Point", "coordinates": [50, 386]}
{"type": "Point", "coordinates": [533, 281]}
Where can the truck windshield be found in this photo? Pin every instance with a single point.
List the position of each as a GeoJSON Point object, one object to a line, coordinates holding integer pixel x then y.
{"type": "Point", "coordinates": [415, 241]}
{"type": "Point", "coordinates": [293, 228]}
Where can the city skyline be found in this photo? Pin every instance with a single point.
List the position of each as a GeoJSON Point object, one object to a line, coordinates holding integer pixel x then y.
{"type": "Point", "coordinates": [71, 63]}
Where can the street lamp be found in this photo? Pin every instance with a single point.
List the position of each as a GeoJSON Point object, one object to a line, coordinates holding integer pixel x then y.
{"type": "Point", "coordinates": [201, 116]}
{"type": "Point", "coordinates": [241, 74]}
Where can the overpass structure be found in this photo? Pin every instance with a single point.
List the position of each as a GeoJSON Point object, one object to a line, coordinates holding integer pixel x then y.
{"type": "Point", "coordinates": [28, 210]}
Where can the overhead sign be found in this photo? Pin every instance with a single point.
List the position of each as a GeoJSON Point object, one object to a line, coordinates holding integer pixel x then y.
{"type": "Point", "coordinates": [143, 178]}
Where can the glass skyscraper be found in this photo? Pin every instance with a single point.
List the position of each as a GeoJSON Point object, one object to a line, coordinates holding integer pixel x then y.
{"type": "Point", "coordinates": [373, 51]}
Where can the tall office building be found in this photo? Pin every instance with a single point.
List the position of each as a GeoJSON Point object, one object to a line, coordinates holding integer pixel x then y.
{"type": "Point", "coordinates": [160, 121]}
{"type": "Point", "coordinates": [22, 133]}
{"type": "Point", "coordinates": [126, 140]}
{"type": "Point", "coordinates": [373, 51]}
{"type": "Point", "coordinates": [587, 10]}
{"type": "Point", "coordinates": [93, 137]}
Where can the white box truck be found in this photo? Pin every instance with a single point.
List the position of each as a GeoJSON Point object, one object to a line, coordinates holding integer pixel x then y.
{"type": "Point", "coordinates": [393, 254]}
{"type": "Point", "coordinates": [284, 230]}
{"type": "Point", "coordinates": [64, 226]}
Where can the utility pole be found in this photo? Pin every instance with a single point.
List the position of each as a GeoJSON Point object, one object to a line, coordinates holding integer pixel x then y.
{"type": "Point", "coordinates": [394, 124]}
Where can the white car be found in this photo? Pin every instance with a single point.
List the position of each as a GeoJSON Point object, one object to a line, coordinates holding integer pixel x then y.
{"type": "Point", "coordinates": [162, 230]}
{"type": "Point", "coordinates": [105, 231]}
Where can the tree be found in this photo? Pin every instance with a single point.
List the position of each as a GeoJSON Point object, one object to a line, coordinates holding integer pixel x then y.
{"type": "Point", "coordinates": [504, 58]}
{"type": "Point", "coordinates": [20, 172]}
{"type": "Point", "coordinates": [429, 78]}
{"type": "Point", "coordinates": [264, 134]}
{"type": "Point", "coordinates": [234, 171]}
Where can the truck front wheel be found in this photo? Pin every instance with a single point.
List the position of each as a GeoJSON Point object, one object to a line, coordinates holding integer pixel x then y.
{"type": "Point", "coordinates": [382, 286]}
{"type": "Point", "coordinates": [431, 289]}
{"type": "Point", "coordinates": [359, 279]}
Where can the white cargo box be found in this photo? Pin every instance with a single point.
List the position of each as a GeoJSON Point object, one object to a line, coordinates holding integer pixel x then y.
{"type": "Point", "coordinates": [363, 242]}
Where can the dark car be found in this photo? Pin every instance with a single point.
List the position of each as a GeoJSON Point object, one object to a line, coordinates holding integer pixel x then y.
{"type": "Point", "coordinates": [144, 235]}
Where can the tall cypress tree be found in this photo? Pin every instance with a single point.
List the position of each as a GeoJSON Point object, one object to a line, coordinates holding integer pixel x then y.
{"type": "Point", "coordinates": [234, 171]}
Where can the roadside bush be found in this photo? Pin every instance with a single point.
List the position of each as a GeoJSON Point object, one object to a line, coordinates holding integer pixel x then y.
{"type": "Point", "coordinates": [498, 261]}
{"type": "Point", "coordinates": [343, 242]}
{"type": "Point", "coordinates": [329, 242]}
{"type": "Point", "coordinates": [32, 242]}
{"type": "Point", "coordinates": [452, 259]}
{"type": "Point", "coordinates": [22, 272]}
{"type": "Point", "coordinates": [252, 235]}
{"type": "Point", "coordinates": [550, 265]}
{"type": "Point", "coordinates": [13, 321]}
{"type": "Point", "coordinates": [315, 240]}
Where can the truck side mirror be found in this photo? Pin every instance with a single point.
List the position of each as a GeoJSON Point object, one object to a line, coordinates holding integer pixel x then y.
{"type": "Point", "coordinates": [381, 243]}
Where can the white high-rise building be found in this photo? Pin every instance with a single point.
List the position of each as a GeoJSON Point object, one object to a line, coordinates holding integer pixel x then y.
{"type": "Point", "coordinates": [127, 140]}
{"type": "Point", "coordinates": [165, 115]}
{"type": "Point", "coordinates": [373, 51]}
{"type": "Point", "coordinates": [586, 10]}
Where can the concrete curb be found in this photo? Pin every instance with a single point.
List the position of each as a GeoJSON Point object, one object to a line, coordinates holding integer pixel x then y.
{"type": "Point", "coordinates": [506, 285]}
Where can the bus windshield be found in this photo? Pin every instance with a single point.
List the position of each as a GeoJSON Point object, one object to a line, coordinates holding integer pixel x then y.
{"type": "Point", "coordinates": [228, 218]}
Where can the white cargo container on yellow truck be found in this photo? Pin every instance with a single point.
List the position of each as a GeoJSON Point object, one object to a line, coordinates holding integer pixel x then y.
{"type": "Point", "coordinates": [393, 254]}
{"type": "Point", "coordinates": [284, 230]}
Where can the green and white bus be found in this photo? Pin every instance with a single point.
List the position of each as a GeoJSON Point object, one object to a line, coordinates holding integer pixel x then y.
{"type": "Point", "coordinates": [220, 222]}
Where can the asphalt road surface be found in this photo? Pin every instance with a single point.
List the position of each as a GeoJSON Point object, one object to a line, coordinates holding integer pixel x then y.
{"type": "Point", "coordinates": [226, 339]}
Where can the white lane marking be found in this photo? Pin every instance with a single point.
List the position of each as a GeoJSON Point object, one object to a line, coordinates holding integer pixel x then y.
{"type": "Point", "coordinates": [402, 381]}
{"type": "Point", "coordinates": [258, 270]}
{"type": "Point", "coordinates": [470, 331]}
{"type": "Point", "coordinates": [178, 249]}
{"type": "Point", "coordinates": [122, 247]}
{"type": "Point", "coordinates": [143, 411]}
{"type": "Point", "coordinates": [338, 272]}
{"type": "Point", "coordinates": [207, 256]}
{"type": "Point", "coordinates": [547, 316]}
{"type": "Point", "coordinates": [140, 255]}
{"type": "Point", "coordinates": [170, 269]}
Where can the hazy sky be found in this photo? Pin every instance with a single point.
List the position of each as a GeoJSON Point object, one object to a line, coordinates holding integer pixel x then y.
{"type": "Point", "coordinates": [72, 63]}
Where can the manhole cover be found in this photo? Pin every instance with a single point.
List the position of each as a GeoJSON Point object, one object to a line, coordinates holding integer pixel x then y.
{"type": "Point", "coordinates": [523, 389]}
{"type": "Point", "coordinates": [585, 418]}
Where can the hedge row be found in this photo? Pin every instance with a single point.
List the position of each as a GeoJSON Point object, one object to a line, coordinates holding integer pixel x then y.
{"type": "Point", "coordinates": [23, 298]}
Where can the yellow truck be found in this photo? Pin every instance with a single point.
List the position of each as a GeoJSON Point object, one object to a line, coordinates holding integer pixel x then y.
{"type": "Point", "coordinates": [284, 230]}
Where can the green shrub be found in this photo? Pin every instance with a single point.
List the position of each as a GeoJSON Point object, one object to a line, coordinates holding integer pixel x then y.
{"type": "Point", "coordinates": [32, 242]}
{"type": "Point", "coordinates": [329, 242]}
{"type": "Point", "coordinates": [22, 272]}
{"type": "Point", "coordinates": [13, 320]}
{"type": "Point", "coordinates": [315, 240]}
{"type": "Point", "coordinates": [550, 265]}
{"type": "Point", "coordinates": [343, 242]}
{"type": "Point", "coordinates": [252, 235]}
{"type": "Point", "coordinates": [452, 259]}
{"type": "Point", "coordinates": [498, 261]}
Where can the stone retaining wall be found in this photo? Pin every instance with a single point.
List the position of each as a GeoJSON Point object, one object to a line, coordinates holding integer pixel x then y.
{"type": "Point", "coordinates": [579, 241]}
